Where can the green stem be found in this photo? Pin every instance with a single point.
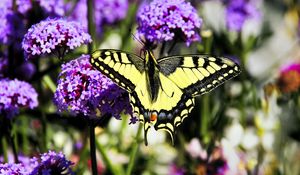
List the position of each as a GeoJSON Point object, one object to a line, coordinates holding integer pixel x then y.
{"type": "Point", "coordinates": [43, 132]}
{"type": "Point", "coordinates": [4, 149]}
{"type": "Point", "coordinates": [48, 82]}
{"type": "Point", "coordinates": [207, 44]}
{"type": "Point", "coordinates": [243, 57]}
{"type": "Point", "coordinates": [106, 160]}
{"type": "Point", "coordinates": [134, 151]}
{"type": "Point", "coordinates": [93, 150]}
{"type": "Point", "coordinates": [24, 128]}
{"type": "Point", "coordinates": [204, 116]}
{"type": "Point", "coordinates": [124, 123]}
{"type": "Point", "coordinates": [13, 144]}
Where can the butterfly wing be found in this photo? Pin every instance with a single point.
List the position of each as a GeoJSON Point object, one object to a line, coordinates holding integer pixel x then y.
{"type": "Point", "coordinates": [165, 107]}
{"type": "Point", "coordinates": [198, 74]}
{"type": "Point", "coordinates": [183, 78]}
{"type": "Point", "coordinates": [123, 68]}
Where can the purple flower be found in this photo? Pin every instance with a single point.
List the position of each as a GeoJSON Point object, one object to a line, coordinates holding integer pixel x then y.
{"type": "Point", "coordinates": [51, 163]}
{"type": "Point", "coordinates": [15, 94]}
{"type": "Point", "coordinates": [175, 170]}
{"type": "Point", "coordinates": [165, 20]}
{"type": "Point", "coordinates": [14, 169]}
{"type": "Point", "coordinates": [110, 11]}
{"type": "Point", "coordinates": [105, 12]}
{"type": "Point", "coordinates": [21, 158]}
{"type": "Point", "coordinates": [83, 90]}
{"type": "Point", "coordinates": [54, 35]}
{"type": "Point", "coordinates": [290, 67]}
{"type": "Point", "coordinates": [46, 164]}
{"type": "Point", "coordinates": [10, 168]}
{"type": "Point", "coordinates": [53, 7]}
{"type": "Point", "coordinates": [239, 11]}
{"type": "Point", "coordinates": [23, 5]}
{"type": "Point", "coordinates": [11, 25]}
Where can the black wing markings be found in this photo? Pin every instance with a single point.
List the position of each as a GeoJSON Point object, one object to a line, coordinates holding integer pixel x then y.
{"type": "Point", "coordinates": [168, 65]}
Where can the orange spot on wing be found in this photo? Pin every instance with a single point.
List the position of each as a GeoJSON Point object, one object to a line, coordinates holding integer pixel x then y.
{"type": "Point", "coordinates": [153, 116]}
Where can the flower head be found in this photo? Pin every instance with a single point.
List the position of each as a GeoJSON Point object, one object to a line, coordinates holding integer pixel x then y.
{"type": "Point", "coordinates": [289, 79]}
{"type": "Point", "coordinates": [51, 163]}
{"type": "Point", "coordinates": [48, 163]}
{"type": "Point", "coordinates": [238, 11]}
{"type": "Point", "coordinates": [11, 168]}
{"type": "Point", "coordinates": [15, 94]}
{"type": "Point", "coordinates": [83, 90]}
{"type": "Point", "coordinates": [14, 169]}
{"type": "Point", "coordinates": [53, 8]}
{"type": "Point", "coordinates": [165, 20]}
{"type": "Point", "coordinates": [105, 12]}
{"type": "Point", "coordinates": [11, 25]}
{"type": "Point", "coordinates": [110, 11]}
{"type": "Point", "coordinates": [54, 35]}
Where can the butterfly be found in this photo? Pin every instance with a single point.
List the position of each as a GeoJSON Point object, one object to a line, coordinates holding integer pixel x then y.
{"type": "Point", "coordinates": [162, 91]}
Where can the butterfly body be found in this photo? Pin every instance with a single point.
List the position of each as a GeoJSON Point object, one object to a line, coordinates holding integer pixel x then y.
{"type": "Point", "coordinates": [162, 91]}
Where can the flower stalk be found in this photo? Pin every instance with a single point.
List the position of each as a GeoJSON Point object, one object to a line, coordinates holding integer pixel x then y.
{"type": "Point", "coordinates": [93, 149]}
{"type": "Point", "coordinates": [134, 151]}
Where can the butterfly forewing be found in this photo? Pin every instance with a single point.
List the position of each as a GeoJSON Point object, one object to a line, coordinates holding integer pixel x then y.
{"type": "Point", "coordinates": [123, 68]}
{"type": "Point", "coordinates": [197, 74]}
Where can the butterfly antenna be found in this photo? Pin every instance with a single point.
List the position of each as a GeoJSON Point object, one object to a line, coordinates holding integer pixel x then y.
{"type": "Point", "coordinates": [137, 39]}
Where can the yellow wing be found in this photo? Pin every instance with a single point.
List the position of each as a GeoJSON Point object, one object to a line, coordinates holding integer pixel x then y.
{"type": "Point", "coordinates": [197, 74]}
{"type": "Point", "coordinates": [171, 106]}
{"type": "Point", "coordinates": [123, 68]}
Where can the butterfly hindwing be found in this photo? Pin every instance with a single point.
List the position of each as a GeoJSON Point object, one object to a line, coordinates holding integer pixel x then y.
{"type": "Point", "coordinates": [171, 106]}
{"type": "Point", "coordinates": [123, 68]}
{"type": "Point", "coordinates": [197, 74]}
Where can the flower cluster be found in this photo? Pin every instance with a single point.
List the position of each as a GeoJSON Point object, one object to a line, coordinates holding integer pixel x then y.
{"type": "Point", "coordinates": [289, 79]}
{"type": "Point", "coordinates": [54, 35]}
{"type": "Point", "coordinates": [165, 20]}
{"type": "Point", "coordinates": [12, 169]}
{"type": "Point", "coordinates": [52, 8]}
{"type": "Point", "coordinates": [238, 11]}
{"type": "Point", "coordinates": [105, 12]}
{"type": "Point", "coordinates": [23, 5]}
{"type": "Point", "coordinates": [52, 163]}
{"type": "Point", "coordinates": [6, 25]}
{"type": "Point", "coordinates": [108, 11]}
{"type": "Point", "coordinates": [48, 163]}
{"type": "Point", "coordinates": [83, 90]}
{"type": "Point", "coordinates": [11, 21]}
{"type": "Point", "coordinates": [15, 94]}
